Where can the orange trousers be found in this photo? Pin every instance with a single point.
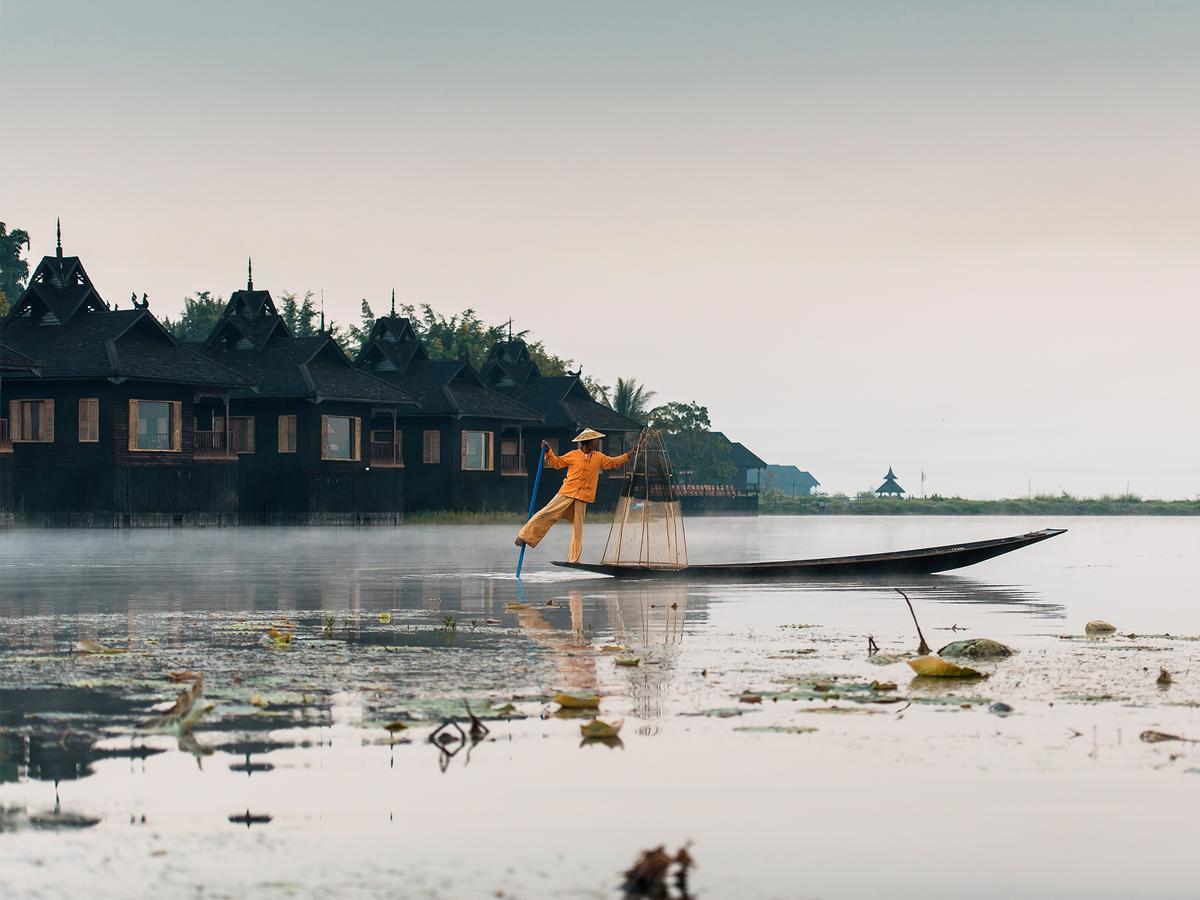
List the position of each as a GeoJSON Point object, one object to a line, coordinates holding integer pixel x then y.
{"type": "Point", "coordinates": [560, 508]}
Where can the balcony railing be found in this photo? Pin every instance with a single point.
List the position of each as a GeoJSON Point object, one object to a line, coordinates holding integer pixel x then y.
{"type": "Point", "coordinates": [215, 444]}
{"type": "Point", "coordinates": [512, 464]}
{"type": "Point", "coordinates": [386, 453]}
{"type": "Point", "coordinates": [5, 438]}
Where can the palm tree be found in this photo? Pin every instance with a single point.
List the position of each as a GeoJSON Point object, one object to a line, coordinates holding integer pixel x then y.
{"type": "Point", "coordinates": [632, 399]}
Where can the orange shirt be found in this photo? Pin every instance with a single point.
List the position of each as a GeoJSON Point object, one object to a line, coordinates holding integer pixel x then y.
{"type": "Point", "coordinates": [583, 471]}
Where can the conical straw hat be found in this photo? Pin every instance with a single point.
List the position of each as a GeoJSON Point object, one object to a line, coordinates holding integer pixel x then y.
{"type": "Point", "coordinates": [588, 434]}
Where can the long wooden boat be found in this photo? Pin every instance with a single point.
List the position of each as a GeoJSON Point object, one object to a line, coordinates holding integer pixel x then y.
{"type": "Point", "coordinates": [925, 561]}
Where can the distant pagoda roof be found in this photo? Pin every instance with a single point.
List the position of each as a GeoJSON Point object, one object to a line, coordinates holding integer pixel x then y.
{"type": "Point", "coordinates": [889, 485]}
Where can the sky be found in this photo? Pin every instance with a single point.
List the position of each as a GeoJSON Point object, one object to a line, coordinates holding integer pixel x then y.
{"type": "Point", "coordinates": [957, 239]}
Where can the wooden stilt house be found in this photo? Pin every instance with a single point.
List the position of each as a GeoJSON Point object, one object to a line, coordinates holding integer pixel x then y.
{"type": "Point", "coordinates": [465, 443]}
{"type": "Point", "coordinates": [566, 408]}
{"type": "Point", "coordinates": [101, 407]}
{"type": "Point", "coordinates": [316, 438]}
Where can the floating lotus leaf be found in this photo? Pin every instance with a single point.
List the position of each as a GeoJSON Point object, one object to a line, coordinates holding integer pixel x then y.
{"type": "Point", "coordinates": [976, 648]}
{"type": "Point", "coordinates": [936, 667]}
{"type": "Point", "coordinates": [576, 701]}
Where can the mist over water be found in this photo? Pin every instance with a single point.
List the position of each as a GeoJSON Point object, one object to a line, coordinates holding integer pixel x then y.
{"type": "Point", "coordinates": [297, 734]}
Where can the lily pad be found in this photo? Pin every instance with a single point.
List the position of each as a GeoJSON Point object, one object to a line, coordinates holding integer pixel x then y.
{"type": "Point", "coordinates": [976, 648]}
{"type": "Point", "coordinates": [936, 667]}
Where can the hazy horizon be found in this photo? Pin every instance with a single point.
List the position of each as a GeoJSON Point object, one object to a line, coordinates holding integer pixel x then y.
{"type": "Point", "coordinates": [940, 237]}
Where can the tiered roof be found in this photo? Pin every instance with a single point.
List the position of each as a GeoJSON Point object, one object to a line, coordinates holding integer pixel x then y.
{"type": "Point", "coordinates": [562, 400]}
{"type": "Point", "coordinates": [394, 353]}
{"type": "Point", "coordinates": [889, 485]}
{"type": "Point", "coordinates": [62, 322]}
{"type": "Point", "coordinates": [253, 339]}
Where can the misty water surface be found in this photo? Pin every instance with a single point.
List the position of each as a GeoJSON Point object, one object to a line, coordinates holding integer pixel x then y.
{"type": "Point", "coordinates": [879, 797]}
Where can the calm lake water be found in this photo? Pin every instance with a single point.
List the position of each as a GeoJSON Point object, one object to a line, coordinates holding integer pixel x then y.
{"type": "Point", "coordinates": [291, 786]}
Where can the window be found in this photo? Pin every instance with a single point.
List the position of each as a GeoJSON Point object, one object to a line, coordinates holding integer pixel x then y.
{"type": "Point", "coordinates": [155, 425]}
{"type": "Point", "coordinates": [89, 420]}
{"type": "Point", "coordinates": [340, 438]}
{"type": "Point", "coordinates": [477, 451]}
{"type": "Point", "coordinates": [287, 434]}
{"type": "Point", "coordinates": [241, 429]}
{"type": "Point", "coordinates": [32, 421]}
{"type": "Point", "coordinates": [433, 447]}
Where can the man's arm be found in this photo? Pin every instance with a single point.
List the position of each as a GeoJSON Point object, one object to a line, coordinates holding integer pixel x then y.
{"type": "Point", "coordinates": [553, 460]}
{"type": "Point", "coordinates": [614, 462]}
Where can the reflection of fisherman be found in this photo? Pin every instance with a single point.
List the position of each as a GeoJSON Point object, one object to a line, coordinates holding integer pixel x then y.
{"type": "Point", "coordinates": [578, 490]}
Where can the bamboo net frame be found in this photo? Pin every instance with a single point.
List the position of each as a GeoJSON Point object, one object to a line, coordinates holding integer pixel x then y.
{"type": "Point", "coordinates": [647, 530]}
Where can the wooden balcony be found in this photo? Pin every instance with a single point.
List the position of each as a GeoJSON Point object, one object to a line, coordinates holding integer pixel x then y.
{"type": "Point", "coordinates": [386, 454]}
{"type": "Point", "coordinates": [215, 445]}
{"type": "Point", "coordinates": [5, 438]}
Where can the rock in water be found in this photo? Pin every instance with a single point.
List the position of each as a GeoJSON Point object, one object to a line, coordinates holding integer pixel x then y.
{"type": "Point", "coordinates": [1000, 709]}
{"type": "Point", "coordinates": [1099, 626]}
{"type": "Point", "coordinates": [976, 648]}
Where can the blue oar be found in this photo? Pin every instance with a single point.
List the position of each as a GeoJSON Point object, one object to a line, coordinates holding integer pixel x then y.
{"type": "Point", "coordinates": [537, 479]}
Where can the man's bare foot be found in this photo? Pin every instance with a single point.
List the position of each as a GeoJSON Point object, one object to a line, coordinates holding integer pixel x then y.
{"type": "Point", "coordinates": [518, 542]}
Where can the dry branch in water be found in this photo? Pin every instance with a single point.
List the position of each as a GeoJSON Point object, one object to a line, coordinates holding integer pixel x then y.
{"type": "Point", "coordinates": [923, 648]}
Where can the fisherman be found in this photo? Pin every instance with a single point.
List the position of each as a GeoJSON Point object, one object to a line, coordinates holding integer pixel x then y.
{"type": "Point", "coordinates": [578, 490]}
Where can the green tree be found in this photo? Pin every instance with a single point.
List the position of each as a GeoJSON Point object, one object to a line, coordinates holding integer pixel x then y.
{"type": "Point", "coordinates": [699, 456]}
{"type": "Point", "coordinates": [632, 399]}
{"type": "Point", "coordinates": [358, 334]}
{"type": "Point", "coordinates": [200, 315]}
{"type": "Point", "coordinates": [14, 269]}
{"type": "Point", "coordinates": [289, 310]}
{"type": "Point", "coordinates": [306, 317]}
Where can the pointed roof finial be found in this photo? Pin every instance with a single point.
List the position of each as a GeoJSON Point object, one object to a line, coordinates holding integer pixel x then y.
{"type": "Point", "coordinates": [393, 301]}
{"type": "Point", "coordinates": [58, 228]}
{"type": "Point", "coordinates": [322, 310]}
{"type": "Point", "coordinates": [249, 273]}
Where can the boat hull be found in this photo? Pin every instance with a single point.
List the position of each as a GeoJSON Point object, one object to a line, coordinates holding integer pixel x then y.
{"type": "Point", "coordinates": [924, 561]}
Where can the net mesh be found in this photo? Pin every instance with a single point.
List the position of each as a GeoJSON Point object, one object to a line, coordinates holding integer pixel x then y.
{"type": "Point", "coordinates": [647, 529]}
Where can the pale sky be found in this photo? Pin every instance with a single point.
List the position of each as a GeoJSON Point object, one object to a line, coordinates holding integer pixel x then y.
{"type": "Point", "coordinates": [957, 237]}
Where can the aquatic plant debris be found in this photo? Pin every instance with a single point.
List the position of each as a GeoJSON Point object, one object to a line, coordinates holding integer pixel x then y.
{"type": "Point", "coordinates": [628, 661]}
{"type": "Point", "coordinates": [936, 667]}
{"type": "Point", "coordinates": [576, 701]}
{"type": "Point", "coordinates": [976, 648]}
{"type": "Point", "coordinates": [87, 645]}
{"type": "Point", "coordinates": [648, 877]}
{"type": "Point", "coordinates": [775, 729]}
{"type": "Point", "coordinates": [596, 729]}
{"type": "Point", "coordinates": [1156, 737]}
{"type": "Point", "coordinates": [922, 647]}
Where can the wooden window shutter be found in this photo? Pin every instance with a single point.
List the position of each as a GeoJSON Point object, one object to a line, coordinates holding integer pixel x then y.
{"type": "Point", "coordinates": [249, 434]}
{"type": "Point", "coordinates": [84, 427]}
{"type": "Point", "coordinates": [176, 424]}
{"type": "Point", "coordinates": [356, 423]}
{"type": "Point", "coordinates": [281, 435]}
{"type": "Point", "coordinates": [491, 441]}
{"type": "Point", "coordinates": [324, 437]}
{"type": "Point", "coordinates": [47, 422]}
{"type": "Point", "coordinates": [133, 417]}
{"type": "Point", "coordinates": [463, 461]}
{"type": "Point", "coordinates": [14, 420]}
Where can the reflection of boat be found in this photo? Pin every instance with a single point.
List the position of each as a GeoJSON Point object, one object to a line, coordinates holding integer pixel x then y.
{"type": "Point", "coordinates": [904, 562]}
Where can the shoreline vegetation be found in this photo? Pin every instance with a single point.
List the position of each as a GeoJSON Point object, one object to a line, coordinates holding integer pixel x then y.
{"type": "Point", "coordinates": [773, 503]}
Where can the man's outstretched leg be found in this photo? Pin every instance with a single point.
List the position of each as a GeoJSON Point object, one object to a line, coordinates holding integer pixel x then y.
{"type": "Point", "coordinates": [543, 520]}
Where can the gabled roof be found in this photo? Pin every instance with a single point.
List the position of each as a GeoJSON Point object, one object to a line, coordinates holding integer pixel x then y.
{"type": "Point", "coordinates": [11, 361]}
{"type": "Point", "coordinates": [58, 290]}
{"type": "Point", "coordinates": [509, 365]}
{"type": "Point", "coordinates": [740, 455]}
{"type": "Point", "coordinates": [121, 343]}
{"type": "Point", "coordinates": [564, 402]}
{"type": "Point", "coordinates": [252, 339]}
{"type": "Point", "coordinates": [788, 475]}
{"type": "Point", "coordinates": [394, 353]}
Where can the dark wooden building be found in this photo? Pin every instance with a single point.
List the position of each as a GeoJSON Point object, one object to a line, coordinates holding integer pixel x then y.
{"type": "Point", "coordinates": [316, 439]}
{"type": "Point", "coordinates": [566, 407]}
{"type": "Point", "coordinates": [464, 445]}
{"type": "Point", "coordinates": [102, 407]}
{"type": "Point", "coordinates": [791, 481]}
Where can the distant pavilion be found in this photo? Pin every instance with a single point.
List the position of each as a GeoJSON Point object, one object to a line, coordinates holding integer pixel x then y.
{"type": "Point", "coordinates": [889, 486]}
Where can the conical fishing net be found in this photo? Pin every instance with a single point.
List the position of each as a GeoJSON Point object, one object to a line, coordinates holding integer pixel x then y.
{"type": "Point", "coordinates": [647, 530]}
